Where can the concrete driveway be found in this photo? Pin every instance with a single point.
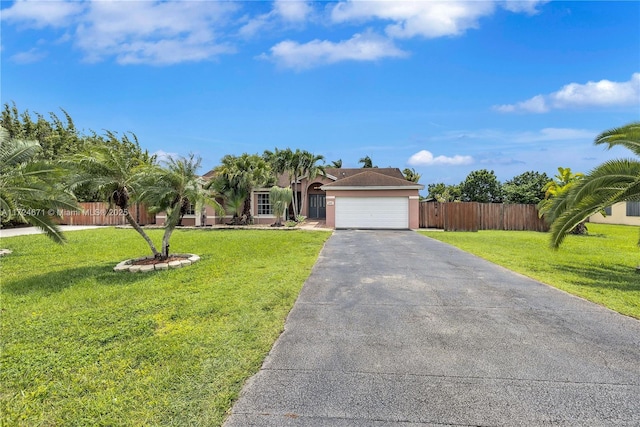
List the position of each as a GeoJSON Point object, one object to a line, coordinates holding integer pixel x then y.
{"type": "Point", "coordinates": [393, 328]}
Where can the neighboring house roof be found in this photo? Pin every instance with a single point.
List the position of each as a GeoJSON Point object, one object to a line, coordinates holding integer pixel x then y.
{"type": "Point", "coordinates": [209, 174]}
{"type": "Point", "coordinates": [371, 179]}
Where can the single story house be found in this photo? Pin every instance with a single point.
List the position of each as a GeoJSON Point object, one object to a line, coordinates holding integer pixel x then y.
{"type": "Point", "coordinates": [344, 198]}
{"type": "Point", "coordinates": [624, 213]}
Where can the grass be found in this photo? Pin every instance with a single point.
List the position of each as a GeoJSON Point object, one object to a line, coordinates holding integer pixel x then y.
{"type": "Point", "coordinates": [82, 345]}
{"type": "Point", "coordinates": [599, 267]}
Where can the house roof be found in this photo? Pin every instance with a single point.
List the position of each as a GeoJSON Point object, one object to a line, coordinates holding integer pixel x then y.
{"type": "Point", "coordinates": [341, 173]}
{"type": "Point", "coordinates": [372, 179]}
{"type": "Point", "coordinates": [209, 174]}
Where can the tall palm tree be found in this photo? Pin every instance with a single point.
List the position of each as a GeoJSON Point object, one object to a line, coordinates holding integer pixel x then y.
{"type": "Point", "coordinates": [310, 168]}
{"type": "Point", "coordinates": [117, 177]}
{"type": "Point", "coordinates": [280, 161]}
{"type": "Point", "coordinates": [29, 190]}
{"type": "Point", "coordinates": [296, 164]}
{"type": "Point", "coordinates": [286, 162]}
{"type": "Point", "coordinates": [366, 162]}
{"type": "Point", "coordinates": [613, 181]}
{"type": "Point", "coordinates": [177, 186]}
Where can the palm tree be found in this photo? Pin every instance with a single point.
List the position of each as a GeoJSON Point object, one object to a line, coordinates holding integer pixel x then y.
{"type": "Point", "coordinates": [117, 177]}
{"type": "Point", "coordinates": [28, 192]}
{"type": "Point", "coordinates": [411, 175]}
{"type": "Point", "coordinates": [614, 181]}
{"type": "Point", "coordinates": [286, 162]}
{"type": "Point", "coordinates": [366, 162]}
{"type": "Point", "coordinates": [557, 187]}
{"type": "Point", "coordinates": [279, 199]}
{"type": "Point", "coordinates": [336, 164]}
{"type": "Point", "coordinates": [309, 166]}
{"type": "Point", "coordinates": [237, 176]}
{"type": "Point", "coordinates": [296, 164]}
{"type": "Point", "coordinates": [177, 186]}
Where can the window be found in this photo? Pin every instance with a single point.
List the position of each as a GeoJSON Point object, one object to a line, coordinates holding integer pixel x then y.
{"type": "Point", "coordinates": [607, 211]}
{"type": "Point", "coordinates": [264, 207]}
{"type": "Point", "coordinates": [633, 208]}
{"type": "Point", "coordinates": [191, 210]}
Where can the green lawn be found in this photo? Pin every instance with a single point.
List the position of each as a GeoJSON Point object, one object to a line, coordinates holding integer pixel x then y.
{"type": "Point", "coordinates": [82, 345]}
{"type": "Point", "coordinates": [599, 267]}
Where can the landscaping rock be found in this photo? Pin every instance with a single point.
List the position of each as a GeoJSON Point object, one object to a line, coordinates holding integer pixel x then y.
{"type": "Point", "coordinates": [130, 264]}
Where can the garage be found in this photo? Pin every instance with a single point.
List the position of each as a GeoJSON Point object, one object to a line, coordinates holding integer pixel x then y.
{"type": "Point", "coordinates": [373, 198]}
{"type": "Point", "coordinates": [372, 212]}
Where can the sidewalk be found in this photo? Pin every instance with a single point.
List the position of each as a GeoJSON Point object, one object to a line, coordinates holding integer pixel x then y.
{"type": "Point", "coordinates": [25, 231]}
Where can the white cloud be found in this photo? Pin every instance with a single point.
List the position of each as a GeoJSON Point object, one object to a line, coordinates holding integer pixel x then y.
{"type": "Point", "coordinates": [426, 158]}
{"type": "Point", "coordinates": [361, 47]}
{"type": "Point", "coordinates": [289, 12]}
{"type": "Point", "coordinates": [40, 14]}
{"type": "Point", "coordinates": [152, 32]}
{"type": "Point", "coordinates": [256, 24]}
{"type": "Point", "coordinates": [28, 57]}
{"type": "Point", "coordinates": [526, 6]}
{"type": "Point", "coordinates": [428, 19]}
{"type": "Point", "coordinates": [163, 156]}
{"type": "Point", "coordinates": [603, 93]}
{"type": "Point", "coordinates": [292, 10]}
{"type": "Point", "coordinates": [537, 104]}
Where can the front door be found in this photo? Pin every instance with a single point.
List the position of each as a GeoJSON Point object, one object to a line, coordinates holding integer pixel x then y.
{"type": "Point", "coordinates": [317, 206]}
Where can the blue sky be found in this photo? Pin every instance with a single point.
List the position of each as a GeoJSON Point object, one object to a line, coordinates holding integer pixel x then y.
{"type": "Point", "coordinates": [442, 87]}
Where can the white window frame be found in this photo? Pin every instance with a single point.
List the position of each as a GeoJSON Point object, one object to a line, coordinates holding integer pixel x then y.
{"type": "Point", "coordinates": [263, 208]}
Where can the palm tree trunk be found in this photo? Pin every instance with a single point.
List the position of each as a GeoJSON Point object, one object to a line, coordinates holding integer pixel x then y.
{"type": "Point", "coordinates": [165, 242]}
{"type": "Point", "coordinates": [295, 195]}
{"type": "Point", "coordinates": [173, 219]}
{"type": "Point", "coordinates": [140, 231]}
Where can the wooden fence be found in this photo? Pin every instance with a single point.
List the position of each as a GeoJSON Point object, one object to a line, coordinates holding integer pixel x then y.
{"type": "Point", "coordinates": [472, 216]}
{"type": "Point", "coordinates": [102, 214]}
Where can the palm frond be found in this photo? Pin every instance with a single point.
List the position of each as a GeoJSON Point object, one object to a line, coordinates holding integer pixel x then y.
{"type": "Point", "coordinates": [613, 181]}
{"type": "Point", "coordinates": [627, 136]}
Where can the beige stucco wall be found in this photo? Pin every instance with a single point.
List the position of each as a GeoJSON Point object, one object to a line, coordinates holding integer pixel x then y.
{"type": "Point", "coordinates": [412, 195]}
{"type": "Point", "coordinates": [618, 216]}
{"type": "Point", "coordinates": [260, 219]}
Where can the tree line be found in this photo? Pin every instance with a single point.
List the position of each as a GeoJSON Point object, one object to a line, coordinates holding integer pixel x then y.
{"type": "Point", "coordinates": [483, 186]}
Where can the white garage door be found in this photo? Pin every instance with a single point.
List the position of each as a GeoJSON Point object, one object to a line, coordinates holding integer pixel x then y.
{"type": "Point", "coordinates": [372, 212]}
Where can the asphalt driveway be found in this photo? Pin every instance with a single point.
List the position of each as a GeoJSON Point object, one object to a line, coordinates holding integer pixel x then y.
{"type": "Point", "coordinates": [393, 328]}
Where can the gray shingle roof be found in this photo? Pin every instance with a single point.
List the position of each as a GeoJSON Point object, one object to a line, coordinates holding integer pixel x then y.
{"type": "Point", "coordinates": [371, 178]}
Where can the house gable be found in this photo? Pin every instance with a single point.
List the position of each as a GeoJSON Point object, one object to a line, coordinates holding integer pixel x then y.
{"type": "Point", "coordinates": [372, 180]}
